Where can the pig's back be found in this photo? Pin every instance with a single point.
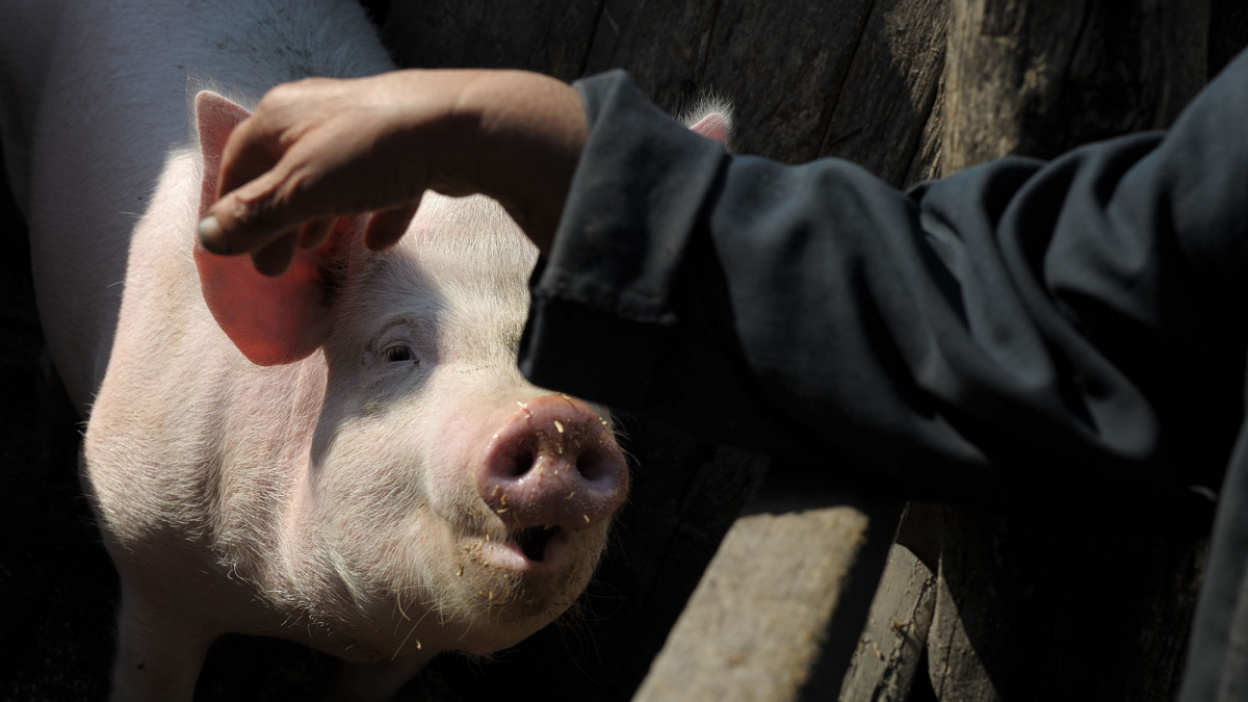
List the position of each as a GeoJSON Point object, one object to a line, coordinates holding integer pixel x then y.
{"type": "Point", "coordinates": [111, 108]}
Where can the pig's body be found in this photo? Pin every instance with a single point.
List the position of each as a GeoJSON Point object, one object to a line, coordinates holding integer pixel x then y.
{"type": "Point", "coordinates": [355, 500]}
{"type": "Point", "coordinates": [96, 100]}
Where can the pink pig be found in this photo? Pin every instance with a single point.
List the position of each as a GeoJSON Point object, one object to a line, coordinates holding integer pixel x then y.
{"type": "Point", "coordinates": [346, 456]}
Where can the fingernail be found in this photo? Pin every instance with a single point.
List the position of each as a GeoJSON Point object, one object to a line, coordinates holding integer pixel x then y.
{"type": "Point", "coordinates": [209, 229]}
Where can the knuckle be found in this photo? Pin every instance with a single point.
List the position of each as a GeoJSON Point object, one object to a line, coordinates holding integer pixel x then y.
{"type": "Point", "coordinates": [294, 94]}
{"type": "Point", "coordinates": [281, 95]}
{"type": "Point", "coordinates": [259, 214]}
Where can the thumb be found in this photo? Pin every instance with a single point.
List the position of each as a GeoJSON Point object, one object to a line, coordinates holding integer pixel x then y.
{"type": "Point", "coordinates": [249, 218]}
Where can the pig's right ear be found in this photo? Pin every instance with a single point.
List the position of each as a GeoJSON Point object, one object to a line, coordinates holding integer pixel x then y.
{"type": "Point", "coordinates": [713, 126]}
{"type": "Point", "coordinates": [270, 320]}
{"type": "Point", "coordinates": [713, 120]}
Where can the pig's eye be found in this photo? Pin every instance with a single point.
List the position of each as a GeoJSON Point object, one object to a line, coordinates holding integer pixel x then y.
{"type": "Point", "coordinates": [400, 352]}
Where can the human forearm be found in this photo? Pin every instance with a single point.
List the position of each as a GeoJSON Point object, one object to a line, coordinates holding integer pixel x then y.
{"type": "Point", "coordinates": [320, 149]}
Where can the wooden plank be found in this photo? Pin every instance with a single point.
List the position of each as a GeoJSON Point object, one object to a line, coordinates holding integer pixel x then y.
{"type": "Point", "coordinates": [1039, 78]}
{"type": "Point", "coordinates": [889, 650]}
{"type": "Point", "coordinates": [1018, 595]}
{"type": "Point", "coordinates": [551, 36]}
{"type": "Point", "coordinates": [890, 90]}
{"type": "Point", "coordinates": [778, 612]}
{"type": "Point", "coordinates": [1019, 599]}
{"type": "Point", "coordinates": [782, 65]}
{"type": "Point", "coordinates": [886, 663]}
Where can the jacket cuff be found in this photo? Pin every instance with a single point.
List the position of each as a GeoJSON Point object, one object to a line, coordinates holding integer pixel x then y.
{"type": "Point", "coordinates": [600, 308]}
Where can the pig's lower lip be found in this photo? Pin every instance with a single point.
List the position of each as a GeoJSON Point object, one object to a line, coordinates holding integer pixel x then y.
{"type": "Point", "coordinates": [533, 550]}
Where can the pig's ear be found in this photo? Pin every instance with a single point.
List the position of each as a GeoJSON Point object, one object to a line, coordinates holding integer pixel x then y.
{"type": "Point", "coordinates": [270, 320]}
{"type": "Point", "coordinates": [216, 117]}
{"type": "Point", "coordinates": [713, 126]}
{"type": "Point", "coordinates": [712, 118]}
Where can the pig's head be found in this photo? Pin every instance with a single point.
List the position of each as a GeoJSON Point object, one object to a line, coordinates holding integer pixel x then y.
{"type": "Point", "coordinates": [445, 503]}
{"type": "Point", "coordinates": [443, 486]}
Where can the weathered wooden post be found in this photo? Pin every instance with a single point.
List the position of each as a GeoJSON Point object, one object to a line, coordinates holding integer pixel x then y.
{"type": "Point", "coordinates": [1010, 610]}
{"type": "Point", "coordinates": [1016, 598]}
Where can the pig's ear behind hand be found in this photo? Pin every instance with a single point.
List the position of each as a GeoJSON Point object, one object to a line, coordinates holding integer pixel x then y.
{"type": "Point", "coordinates": [712, 118]}
{"type": "Point", "coordinates": [270, 320]}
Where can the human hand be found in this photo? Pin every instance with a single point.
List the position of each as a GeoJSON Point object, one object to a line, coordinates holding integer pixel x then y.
{"type": "Point", "coordinates": [320, 149]}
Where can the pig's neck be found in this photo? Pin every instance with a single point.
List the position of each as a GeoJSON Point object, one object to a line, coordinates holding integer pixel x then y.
{"type": "Point", "coordinates": [233, 439]}
{"type": "Point", "coordinates": [266, 450]}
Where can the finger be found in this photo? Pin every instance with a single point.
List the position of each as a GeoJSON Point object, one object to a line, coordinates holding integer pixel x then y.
{"type": "Point", "coordinates": [314, 234]}
{"type": "Point", "coordinates": [253, 149]}
{"type": "Point", "coordinates": [386, 227]}
{"type": "Point", "coordinates": [247, 219]}
{"type": "Point", "coordinates": [275, 259]}
{"type": "Point", "coordinates": [247, 215]}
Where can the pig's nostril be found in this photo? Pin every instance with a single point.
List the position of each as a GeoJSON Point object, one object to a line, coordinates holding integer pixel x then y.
{"type": "Point", "coordinates": [593, 465]}
{"type": "Point", "coordinates": [520, 463]}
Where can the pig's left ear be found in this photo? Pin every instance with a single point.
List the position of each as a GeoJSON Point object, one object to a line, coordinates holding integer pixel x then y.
{"type": "Point", "coordinates": [270, 320]}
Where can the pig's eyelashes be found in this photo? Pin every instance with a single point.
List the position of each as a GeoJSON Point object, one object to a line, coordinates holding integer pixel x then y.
{"type": "Point", "coordinates": [396, 344]}
{"type": "Point", "coordinates": [399, 353]}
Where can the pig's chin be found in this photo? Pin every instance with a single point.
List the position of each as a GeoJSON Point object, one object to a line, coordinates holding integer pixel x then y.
{"type": "Point", "coordinates": [511, 585]}
{"type": "Point", "coordinates": [499, 590]}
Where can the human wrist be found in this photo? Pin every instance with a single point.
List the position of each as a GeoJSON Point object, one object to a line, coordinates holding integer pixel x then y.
{"type": "Point", "coordinates": [531, 130]}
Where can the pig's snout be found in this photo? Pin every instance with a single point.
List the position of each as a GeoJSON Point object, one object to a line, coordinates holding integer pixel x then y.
{"type": "Point", "coordinates": [553, 463]}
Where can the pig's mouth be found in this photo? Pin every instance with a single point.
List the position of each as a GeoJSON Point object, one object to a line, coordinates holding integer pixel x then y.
{"type": "Point", "coordinates": [533, 540]}
{"type": "Point", "coordinates": [533, 551]}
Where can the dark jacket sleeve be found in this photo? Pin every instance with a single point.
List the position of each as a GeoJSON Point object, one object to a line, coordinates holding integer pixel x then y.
{"type": "Point", "coordinates": [1075, 325]}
